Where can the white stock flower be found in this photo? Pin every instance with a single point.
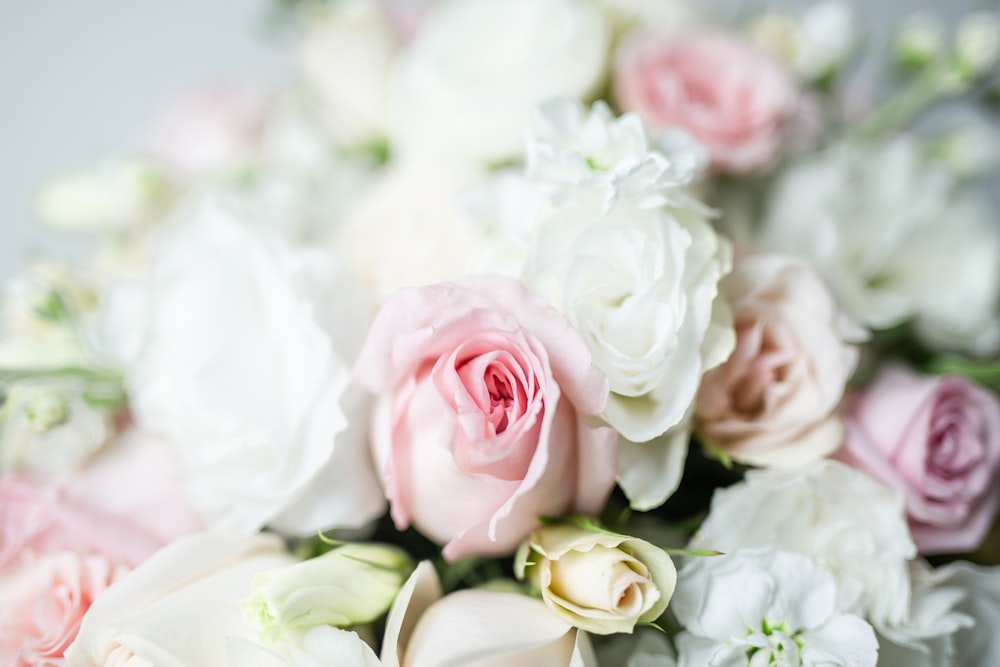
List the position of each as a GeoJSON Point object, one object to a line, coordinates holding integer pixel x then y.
{"type": "Point", "coordinates": [766, 607]}
{"type": "Point", "coordinates": [245, 369]}
{"type": "Point", "coordinates": [836, 515]}
{"type": "Point", "coordinates": [466, 85]}
{"type": "Point", "coordinates": [570, 149]}
{"type": "Point", "coordinates": [887, 231]}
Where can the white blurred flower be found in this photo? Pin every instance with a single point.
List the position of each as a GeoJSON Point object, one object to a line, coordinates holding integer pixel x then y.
{"type": "Point", "coordinates": [465, 86]}
{"type": "Point", "coordinates": [978, 643]}
{"type": "Point", "coordinates": [814, 44]}
{"type": "Point", "coordinates": [111, 196]}
{"type": "Point", "coordinates": [836, 515]}
{"type": "Point", "coordinates": [346, 57]}
{"type": "Point", "coordinates": [407, 230]}
{"type": "Point", "coordinates": [48, 426]}
{"type": "Point", "coordinates": [927, 637]}
{"type": "Point", "coordinates": [766, 607]}
{"type": "Point", "coordinates": [895, 241]}
{"type": "Point", "coordinates": [244, 367]}
{"type": "Point", "coordinates": [669, 16]}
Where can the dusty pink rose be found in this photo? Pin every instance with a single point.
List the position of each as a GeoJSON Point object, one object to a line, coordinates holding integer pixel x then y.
{"type": "Point", "coordinates": [478, 425]}
{"type": "Point", "coordinates": [774, 402]}
{"type": "Point", "coordinates": [733, 99]}
{"type": "Point", "coordinates": [45, 597]}
{"type": "Point", "coordinates": [210, 128]}
{"type": "Point", "coordinates": [937, 440]}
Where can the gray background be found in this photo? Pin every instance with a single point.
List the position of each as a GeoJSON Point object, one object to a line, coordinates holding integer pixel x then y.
{"type": "Point", "coordinates": [80, 79]}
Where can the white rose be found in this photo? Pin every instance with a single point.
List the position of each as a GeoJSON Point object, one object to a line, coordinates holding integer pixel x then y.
{"type": "Point", "coordinates": [346, 57]}
{"type": "Point", "coordinates": [245, 369]}
{"type": "Point", "coordinates": [641, 286]}
{"type": "Point", "coordinates": [596, 580]}
{"type": "Point", "coordinates": [320, 646]}
{"type": "Point", "coordinates": [477, 627]}
{"type": "Point", "coordinates": [888, 232]}
{"type": "Point", "coordinates": [181, 607]}
{"type": "Point", "coordinates": [774, 401]}
{"type": "Point", "coordinates": [406, 229]}
{"type": "Point", "coordinates": [838, 516]}
{"type": "Point", "coordinates": [766, 607]}
{"type": "Point", "coordinates": [466, 84]}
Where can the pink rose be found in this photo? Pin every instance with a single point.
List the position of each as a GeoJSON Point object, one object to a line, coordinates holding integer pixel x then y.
{"type": "Point", "coordinates": [478, 429]}
{"type": "Point", "coordinates": [734, 100]}
{"type": "Point", "coordinates": [937, 440]}
{"type": "Point", "coordinates": [45, 597]}
{"type": "Point", "coordinates": [774, 402]}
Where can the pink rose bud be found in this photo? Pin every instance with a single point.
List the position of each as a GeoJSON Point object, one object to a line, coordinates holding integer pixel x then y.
{"type": "Point", "coordinates": [733, 99]}
{"type": "Point", "coordinates": [478, 429]}
{"type": "Point", "coordinates": [937, 440]}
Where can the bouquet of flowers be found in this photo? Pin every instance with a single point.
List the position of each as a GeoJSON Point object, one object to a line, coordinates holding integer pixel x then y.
{"type": "Point", "coordinates": [523, 332]}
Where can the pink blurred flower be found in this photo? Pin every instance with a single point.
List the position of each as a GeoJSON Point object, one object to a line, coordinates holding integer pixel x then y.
{"type": "Point", "coordinates": [937, 440]}
{"type": "Point", "coordinates": [733, 99]}
{"type": "Point", "coordinates": [478, 427]}
{"type": "Point", "coordinates": [209, 128]}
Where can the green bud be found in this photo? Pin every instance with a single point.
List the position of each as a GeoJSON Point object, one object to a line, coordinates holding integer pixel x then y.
{"type": "Point", "coordinates": [977, 44]}
{"type": "Point", "coordinates": [351, 585]}
{"type": "Point", "coordinates": [918, 41]}
{"type": "Point", "coordinates": [45, 408]}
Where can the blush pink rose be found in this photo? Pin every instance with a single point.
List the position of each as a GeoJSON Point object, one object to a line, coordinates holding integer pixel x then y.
{"type": "Point", "coordinates": [734, 100]}
{"type": "Point", "coordinates": [774, 402]}
{"type": "Point", "coordinates": [45, 597]}
{"type": "Point", "coordinates": [479, 430]}
{"type": "Point", "coordinates": [937, 440]}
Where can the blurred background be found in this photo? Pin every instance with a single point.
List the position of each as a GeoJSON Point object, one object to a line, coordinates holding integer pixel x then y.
{"type": "Point", "coordinates": [81, 80]}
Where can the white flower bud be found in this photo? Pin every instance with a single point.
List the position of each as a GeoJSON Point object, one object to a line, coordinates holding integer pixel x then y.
{"type": "Point", "coordinates": [351, 585]}
{"type": "Point", "coordinates": [596, 580]}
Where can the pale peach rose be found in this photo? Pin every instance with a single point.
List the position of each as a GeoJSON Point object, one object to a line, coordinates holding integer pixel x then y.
{"type": "Point", "coordinates": [45, 597]}
{"type": "Point", "coordinates": [774, 402]}
{"type": "Point", "coordinates": [733, 99]}
{"type": "Point", "coordinates": [477, 628]}
{"type": "Point", "coordinates": [482, 391]}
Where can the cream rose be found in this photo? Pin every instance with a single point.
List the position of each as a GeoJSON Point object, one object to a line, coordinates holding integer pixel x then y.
{"type": "Point", "coordinates": [477, 627]}
{"type": "Point", "coordinates": [773, 403]}
{"type": "Point", "coordinates": [466, 84]}
{"type": "Point", "coordinates": [596, 580]}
